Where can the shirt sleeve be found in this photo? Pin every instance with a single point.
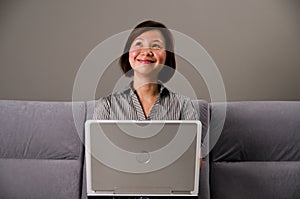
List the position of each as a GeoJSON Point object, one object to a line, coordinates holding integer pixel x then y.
{"type": "Point", "coordinates": [188, 111]}
{"type": "Point", "coordinates": [102, 109]}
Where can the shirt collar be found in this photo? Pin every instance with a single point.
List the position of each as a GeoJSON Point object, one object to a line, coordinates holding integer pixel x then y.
{"type": "Point", "coordinates": [132, 91]}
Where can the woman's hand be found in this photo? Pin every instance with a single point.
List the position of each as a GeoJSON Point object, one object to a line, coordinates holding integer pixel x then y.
{"type": "Point", "coordinates": [200, 160]}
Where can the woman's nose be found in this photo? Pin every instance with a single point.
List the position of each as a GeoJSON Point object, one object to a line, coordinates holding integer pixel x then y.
{"type": "Point", "coordinates": [147, 51]}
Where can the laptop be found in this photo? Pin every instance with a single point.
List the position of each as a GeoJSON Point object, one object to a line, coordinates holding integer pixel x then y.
{"type": "Point", "coordinates": [142, 158]}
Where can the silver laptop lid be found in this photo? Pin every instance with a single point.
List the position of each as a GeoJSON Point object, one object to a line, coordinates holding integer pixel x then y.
{"type": "Point", "coordinates": [143, 157]}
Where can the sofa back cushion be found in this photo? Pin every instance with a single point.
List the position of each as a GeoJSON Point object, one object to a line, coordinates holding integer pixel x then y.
{"type": "Point", "coordinates": [41, 151]}
{"type": "Point", "coordinates": [258, 152]}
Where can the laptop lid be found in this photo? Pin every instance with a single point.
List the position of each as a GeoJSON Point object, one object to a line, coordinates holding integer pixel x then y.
{"type": "Point", "coordinates": [160, 158]}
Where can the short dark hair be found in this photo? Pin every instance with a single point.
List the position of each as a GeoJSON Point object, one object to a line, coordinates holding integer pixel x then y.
{"type": "Point", "coordinates": [166, 73]}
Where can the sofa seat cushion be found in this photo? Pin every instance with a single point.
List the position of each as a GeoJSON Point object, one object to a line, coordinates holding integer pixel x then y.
{"type": "Point", "coordinates": [259, 180]}
{"type": "Point", "coordinates": [41, 152]}
{"type": "Point", "coordinates": [36, 178]}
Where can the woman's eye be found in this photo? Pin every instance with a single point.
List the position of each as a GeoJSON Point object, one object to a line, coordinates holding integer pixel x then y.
{"type": "Point", "coordinates": [156, 46]}
{"type": "Point", "coordinates": [138, 44]}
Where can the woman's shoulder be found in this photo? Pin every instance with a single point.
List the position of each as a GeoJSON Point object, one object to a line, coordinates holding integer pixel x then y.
{"type": "Point", "coordinates": [188, 111]}
{"type": "Point", "coordinates": [179, 97]}
{"type": "Point", "coordinates": [102, 107]}
{"type": "Point", "coordinates": [108, 98]}
{"type": "Point", "coordinates": [104, 100]}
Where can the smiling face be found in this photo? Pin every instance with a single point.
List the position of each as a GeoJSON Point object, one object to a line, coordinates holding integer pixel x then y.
{"type": "Point", "coordinates": [147, 54]}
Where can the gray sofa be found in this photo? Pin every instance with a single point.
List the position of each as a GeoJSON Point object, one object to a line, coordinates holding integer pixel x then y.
{"type": "Point", "coordinates": [258, 153]}
{"type": "Point", "coordinates": [256, 156]}
{"type": "Point", "coordinates": [41, 155]}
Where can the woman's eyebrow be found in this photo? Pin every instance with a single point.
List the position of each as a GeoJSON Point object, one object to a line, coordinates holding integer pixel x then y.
{"type": "Point", "coordinates": [139, 38]}
{"type": "Point", "coordinates": [158, 40]}
{"type": "Point", "coordinates": [155, 40]}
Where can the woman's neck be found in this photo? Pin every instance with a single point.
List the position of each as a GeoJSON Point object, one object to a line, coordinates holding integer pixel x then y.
{"type": "Point", "coordinates": [147, 91]}
{"type": "Point", "coordinates": [146, 88]}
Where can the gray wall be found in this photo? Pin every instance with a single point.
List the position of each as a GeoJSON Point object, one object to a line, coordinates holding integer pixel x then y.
{"type": "Point", "coordinates": [254, 43]}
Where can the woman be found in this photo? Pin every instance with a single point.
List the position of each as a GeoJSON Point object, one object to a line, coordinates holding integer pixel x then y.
{"type": "Point", "coordinates": [148, 57]}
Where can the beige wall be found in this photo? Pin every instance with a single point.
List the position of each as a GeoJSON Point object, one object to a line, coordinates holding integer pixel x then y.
{"type": "Point", "coordinates": [254, 43]}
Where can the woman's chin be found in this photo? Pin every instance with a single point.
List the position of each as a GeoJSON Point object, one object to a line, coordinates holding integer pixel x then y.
{"type": "Point", "coordinates": [149, 74]}
{"type": "Point", "coordinates": [144, 69]}
{"type": "Point", "coordinates": [147, 69]}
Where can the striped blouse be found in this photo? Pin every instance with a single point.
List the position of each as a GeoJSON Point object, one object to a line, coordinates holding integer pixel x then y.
{"type": "Point", "coordinates": [125, 105]}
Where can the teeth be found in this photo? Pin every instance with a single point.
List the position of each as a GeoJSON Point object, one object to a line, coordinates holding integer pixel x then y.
{"type": "Point", "coordinates": [151, 61]}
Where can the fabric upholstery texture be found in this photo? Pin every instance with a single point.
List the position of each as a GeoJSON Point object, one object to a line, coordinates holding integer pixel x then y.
{"type": "Point", "coordinates": [257, 154]}
{"type": "Point", "coordinates": [40, 149]}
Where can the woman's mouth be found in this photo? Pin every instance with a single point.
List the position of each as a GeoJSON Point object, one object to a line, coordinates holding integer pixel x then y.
{"type": "Point", "coordinates": [145, 61]}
